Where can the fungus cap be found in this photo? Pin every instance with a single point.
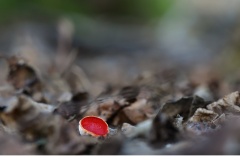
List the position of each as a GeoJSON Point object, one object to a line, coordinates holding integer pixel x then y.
{"type": "Point", "coordinates": [94, 126]}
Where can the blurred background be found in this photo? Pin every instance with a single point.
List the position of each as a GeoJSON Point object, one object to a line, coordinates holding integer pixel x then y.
{"type": "Point", "coordinates": [114, 41]}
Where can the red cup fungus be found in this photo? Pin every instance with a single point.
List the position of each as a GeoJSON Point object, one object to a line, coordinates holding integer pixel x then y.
{"type": "Point", "coordinates": [94, 126]}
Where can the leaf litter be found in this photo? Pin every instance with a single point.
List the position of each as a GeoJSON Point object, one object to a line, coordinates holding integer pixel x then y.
{"type": "Point", "coordinates": [163, 112]}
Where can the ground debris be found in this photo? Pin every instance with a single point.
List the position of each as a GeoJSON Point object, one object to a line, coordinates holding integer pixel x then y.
{"type": "Point", "coordinates": [157, 112]}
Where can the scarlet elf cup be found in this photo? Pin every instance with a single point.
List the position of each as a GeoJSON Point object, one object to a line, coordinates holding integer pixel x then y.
{"type": "Point", "coordinates": [94, 126]}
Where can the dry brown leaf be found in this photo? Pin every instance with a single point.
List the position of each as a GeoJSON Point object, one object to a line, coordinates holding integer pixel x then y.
{"type": "Point", "coordinates": [107, 108]}
{"type": "Point", "coordinates": [24, 78]}
{"type": "Point", "coordinates": [228, 104]}
{"type": "Point", "coordinates": [139, 111]}
{"type": "Point", "coordinates": [217, 113]}
{"type": "Point", "coordinates": [103, 108]}
{"type": "Point", "coordinates": [131, 105]}
{"type": "Point", "coordinates": [203, 115]}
